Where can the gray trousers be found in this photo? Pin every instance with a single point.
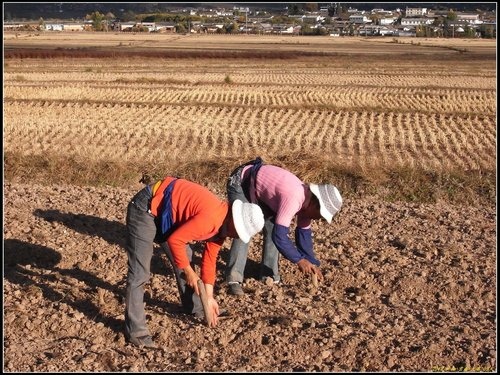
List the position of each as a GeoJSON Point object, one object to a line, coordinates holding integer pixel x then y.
{"type": "Point", "coordinates": [238, 254]}
{"type": "Point", "coordinates": [142, 231]}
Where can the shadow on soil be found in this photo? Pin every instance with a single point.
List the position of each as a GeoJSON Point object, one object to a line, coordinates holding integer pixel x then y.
{"type": "Point", "coordinates": [26, 264]}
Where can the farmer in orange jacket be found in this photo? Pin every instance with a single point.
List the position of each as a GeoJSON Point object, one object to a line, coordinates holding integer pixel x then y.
{"type": "Point", "coordinates": [174, 212]}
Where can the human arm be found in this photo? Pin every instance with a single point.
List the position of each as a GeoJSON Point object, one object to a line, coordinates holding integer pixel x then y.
{"type": "Point", "coordinates": [191, 278]}
{"type": "Point", "coordinates": [290, 252]}
{"type": "Point", "coordinates": [208, 270]}
{"type": "Point", "coordinates": [197, 228]}
{"type": "Point", "coordinates": [303, 239]}
{"type": "Point", "coordinates": [212, 305]}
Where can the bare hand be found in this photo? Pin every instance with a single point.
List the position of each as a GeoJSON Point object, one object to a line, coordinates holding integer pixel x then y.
{"type": "Point", "coordinates": [307, 267]}
{"type": "Point", "coordinates": [214, 308]}
{"type": "Point", "coordinates": [191, 279]}
{"type": "Point", "coordinates": [318, 273]}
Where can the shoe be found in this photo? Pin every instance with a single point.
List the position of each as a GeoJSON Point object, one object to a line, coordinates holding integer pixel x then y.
{"type": "Point", "coordinates": [143, 341]}
{"type": "Point", "coordinates": [270, 281]}
{"type": "Point", "coordinates": [199, 314]}
{"type": "Point", "coordinates": [235, 289]}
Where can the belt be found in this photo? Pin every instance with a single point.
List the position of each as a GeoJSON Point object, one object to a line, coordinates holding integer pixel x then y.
{"type": "Point", "coordinates": [154, 187]}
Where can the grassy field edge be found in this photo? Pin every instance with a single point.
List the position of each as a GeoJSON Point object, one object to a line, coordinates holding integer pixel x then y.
{"type": "Point", "coordinates": [409, 184]}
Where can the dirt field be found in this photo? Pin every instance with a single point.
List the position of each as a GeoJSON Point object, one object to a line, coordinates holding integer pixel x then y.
{"type": "Point", "coordinates": [408, 286]}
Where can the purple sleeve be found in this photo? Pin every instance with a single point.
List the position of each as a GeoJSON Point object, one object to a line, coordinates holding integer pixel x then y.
{"type": "Point", "coordinates": [284, 244]}
{"type": "Point", "coordinates": [303, 238]}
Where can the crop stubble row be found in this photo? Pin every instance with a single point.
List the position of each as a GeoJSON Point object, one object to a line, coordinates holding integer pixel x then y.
{"type": "Point", "coordinates": [444, 117]}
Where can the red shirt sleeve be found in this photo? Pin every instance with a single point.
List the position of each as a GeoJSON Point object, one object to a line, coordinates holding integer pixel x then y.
{"type": "Point", "coordinates": [209, 261]}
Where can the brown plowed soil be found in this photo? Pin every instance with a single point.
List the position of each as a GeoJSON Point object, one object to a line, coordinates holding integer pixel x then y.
{"type": "Point", "coordinates": [408, 287]}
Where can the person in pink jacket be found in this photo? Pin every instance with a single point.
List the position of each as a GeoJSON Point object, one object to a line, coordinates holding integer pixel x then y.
{"type": "Point", "coordinates": [282, 197]}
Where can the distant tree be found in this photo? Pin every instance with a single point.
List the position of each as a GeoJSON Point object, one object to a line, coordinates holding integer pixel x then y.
{"type": "Point", "coordinates": [311, 7]}
{"type": "Point", "coordinates": [438, 21]}
{"type": "Point", "coordinates": [294, 9]}
{"type": "Point", "coordinates": [337, 10]}
{"type": "Point", "coordinates": [375, 19]}
{"type": "Point", "coordinates": [283, 19]}
{"type": "Point", "coordinates": [351, 29]}
{"type": "Point", "coordinates": [322, 31]}
{"type": "Point", "coordinates": [341, 9]}
{"type": "Point", "coordinates": [41, 24]}
{"type": "Point", "coordinates": [423, 31]}
{"type": "Point", "coordinates": [231, 27]}
{"type": "Point", "coordinates": [180, 28]}
{"type": "Point", "coordinates": [487, 31]}
{"type": "Point", "coordinates": [469, 32]}
{"type": "Point", "coordinates": [149, 19]}
{"type": "Point", "coordinates": [97, 20]}
{"type": "Point", "coordinates": [140, 29]}
{"type": "Point", "coordinates": [129, 16]}
{"type": "Point", "coordinates": [307, 30]}
{"type": "Point", "coordinates": [452, 16]}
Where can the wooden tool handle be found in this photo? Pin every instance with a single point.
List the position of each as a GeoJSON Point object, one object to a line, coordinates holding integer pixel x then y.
{"type": "Point", "coordinates": [204, 301]}
{"type": "Point", "coordinates": [314, 280]}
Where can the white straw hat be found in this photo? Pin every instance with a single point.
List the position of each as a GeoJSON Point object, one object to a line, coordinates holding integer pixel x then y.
{"type": "Point", "coordinates": [248, 219]}
{"type": "Point", "coordinates": [329, 198]}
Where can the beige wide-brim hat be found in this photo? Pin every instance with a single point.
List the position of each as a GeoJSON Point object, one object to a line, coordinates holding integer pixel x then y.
{"type": "Point", "coordinates": [248, 219]}
{"type": "Point", "coordinates": [329, 198]}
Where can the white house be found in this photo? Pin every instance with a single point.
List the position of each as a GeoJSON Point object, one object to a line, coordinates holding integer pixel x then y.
{"type": "Point", "coordinates": [283, 29]}
{"type": "Point", "coordinates": [73, 27]}
{"type": "Point", "coordinates": [359, 19]}
{"type": "Point", "coordinates": [150, 25]}
{"type": "Point", "coordinates": [375, 30]}
{"type": "Point", "coordinates": [416, 21]}
{"type": "Point", "coordinates": [54, 26]}
{"type": "Point", "coordinates": [168, 27]}
{"type": "Point", "coordinates": [126, 26]}
{"type": "Point", "coordinates": [470, 18]}
{"type": "Point", "coordinates": [415, 12]}
{"type": "Point", "coordinates": [387, 20]}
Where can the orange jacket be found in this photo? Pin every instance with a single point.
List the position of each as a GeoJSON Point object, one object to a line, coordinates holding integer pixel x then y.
{"type": "Point", "coordinates": [198, 215]}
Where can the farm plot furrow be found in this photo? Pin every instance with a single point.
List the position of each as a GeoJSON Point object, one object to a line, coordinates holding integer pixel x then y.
{"type": "Point", "coordinates": [360, 145]}
{"type": "Point", "coordinates": [284, 129]}
{"type": "Point", "coordinates": [431, 114]}
{"type": "Point", "coordinates": [300, 136]}
{"type": "Point", "coordinates": [334, 134]}
{"type": "Point", "coordinates": [262, 132]}
{"type": "Point", "coordinates": [442, 100]}
{"type": "Point", "coordinates": [464, 147]}
{"type": "Point", "coordinates": [427, 142]}
{"type": "Point", "coordinates": [179, 132]}
{"type": "Point", "coordinates": [320, 129]}
{"type": "Point", "coordinates": [411, 133]}
{"type": "Point", "coordinates": [394, 142]}
{"type": "Point", "coordinates": [377, 138]}
{"type": "Point", "coordinates": [372, 152]}
{"type": "Point", "coordinates": [384, 80]}
{"type": "Point", "coordinates": [480, 142]}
